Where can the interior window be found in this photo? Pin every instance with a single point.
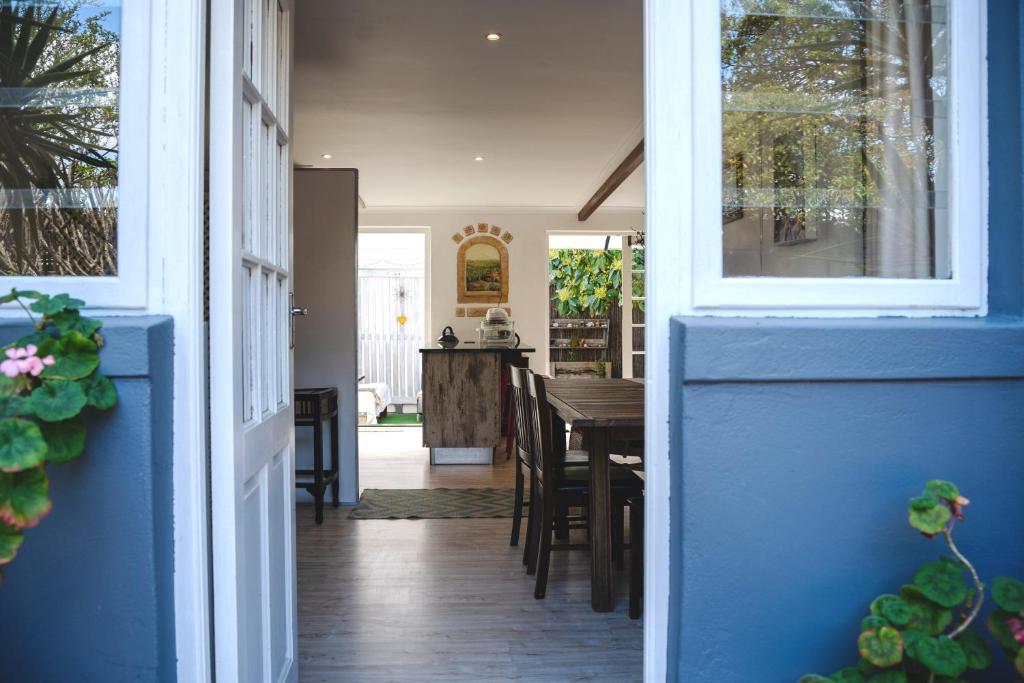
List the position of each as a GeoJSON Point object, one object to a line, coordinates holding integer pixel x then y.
{"type": "Point", "coordinates": [835, 138]}
{"type": "Point", "coordinates": [59, 84]}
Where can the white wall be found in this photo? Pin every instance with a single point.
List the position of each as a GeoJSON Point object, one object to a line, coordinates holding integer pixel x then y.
{"type": "Point", "coordinates": [325, 271]}
{"type": "Point", "coordinates": [527, 260]}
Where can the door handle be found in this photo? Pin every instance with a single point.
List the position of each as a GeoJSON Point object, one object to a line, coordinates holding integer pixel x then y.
{"type": "Point", "coordinates": [294, 312]}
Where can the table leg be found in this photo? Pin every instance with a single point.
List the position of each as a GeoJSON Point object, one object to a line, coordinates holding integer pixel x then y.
{"type": "Point", "coordinates": [600, 522]}
{"type": "Point", "coordinates": [335, 464]}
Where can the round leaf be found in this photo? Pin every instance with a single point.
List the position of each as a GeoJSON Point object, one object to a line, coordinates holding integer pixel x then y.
{"type": "Point", "coordinates": [56, 401]}
{"type": "Point", "coordinates": [1008, 593]}
{"type": "Point", "coordinates": [50, 305]}
{"type": "Point", "coordinates": [925, 502]}
{"type": "Point", "coordinates": [24, 498]}
{"type": "Point", "coordinates": [926, 616]}
{"type": "Point", "coordinates": [943, 489]}
{"type": "Point", "coordinates": [10, 539]}
{"type": "Point", "coordinates": [891, 676]}
{"type": "Point", "coordinates": [872, 621]}
{"type": "Point", "coordinates": [911, 637]}
{"type": "Point", "coordinates": [941, 655]}
{"type": "Point", "coordinates": [64, 440]}
{"type": "Point", "coordinates": [100, 392]}
{"type": "Point", "coordinates": [848, 675]}
{"type": "Point", "coordinates": [941, 583]}
{"type": "Point", "coordinates": [814, 678]}
{"type": "Point", "coordinates": [931, 520]}
{"type": "Point", "coordinates": [76, 357]}
{"type": "Point", "coordinates": [21, 445]}
{"type": "Point", "coordinates": [882, 648]}
{"type": "Point", "coordinates": [975, 649]}
{"type": "Point", "coordinates": [999, 627]}
{"type": "Point", "coordinates": [893, 609]}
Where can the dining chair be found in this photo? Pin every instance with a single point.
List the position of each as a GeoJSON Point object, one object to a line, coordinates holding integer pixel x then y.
{"type": "Point", "coordinates": [556, 487]}
{"type": "Point", "coordinates": [521, 447]}
{"type": "Point", "coordinates": [636, 556]}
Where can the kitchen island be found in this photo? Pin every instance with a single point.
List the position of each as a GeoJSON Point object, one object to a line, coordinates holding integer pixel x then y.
{"type": "Point", "coordinates": [464, 406]}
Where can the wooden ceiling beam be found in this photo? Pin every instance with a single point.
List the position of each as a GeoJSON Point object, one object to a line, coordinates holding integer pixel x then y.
{"type": "Point", "coordinates": [618, 176]}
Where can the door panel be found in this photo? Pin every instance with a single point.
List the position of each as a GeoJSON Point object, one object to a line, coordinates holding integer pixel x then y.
{"type": "Point", "coordinates": [252, 419]}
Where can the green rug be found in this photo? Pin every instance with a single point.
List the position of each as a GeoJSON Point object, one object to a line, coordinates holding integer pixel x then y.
{"type": "Point", "coordinates": [433, 504]}
{"type": "Point", "coordinates": [399, 419]}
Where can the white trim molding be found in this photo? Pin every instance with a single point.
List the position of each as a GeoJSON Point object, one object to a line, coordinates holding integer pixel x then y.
{"type": "Point", "coordinates": [964, 294]}
{"type": "Point", "coordinates": [127, 289]}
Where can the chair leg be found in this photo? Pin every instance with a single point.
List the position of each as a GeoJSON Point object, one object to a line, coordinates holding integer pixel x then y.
{"type": "Point", "coordinates": [545, 529]}
{"type": "Point", "coordinates": [335, 465]}
{"type": "Point", "coordinates": [562, 523]}
{"type": "Point", "coordinates": [530, 551]}
{"type": "Point", "coordinates": [517, 510]}
{"type": "Point", "coordinates": [636, 558]}
{"type": "Point", "coordinates": [318, 471]}
{"type": "Point", "coordinates": [618, 536]}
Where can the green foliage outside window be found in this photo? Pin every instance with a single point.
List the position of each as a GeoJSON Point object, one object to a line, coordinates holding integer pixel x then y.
{"type": "Point", "coordinates": [588, 281]}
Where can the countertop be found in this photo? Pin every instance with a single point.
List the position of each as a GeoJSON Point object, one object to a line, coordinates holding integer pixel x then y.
{"type": "Point", "coordinates": [464, 347]}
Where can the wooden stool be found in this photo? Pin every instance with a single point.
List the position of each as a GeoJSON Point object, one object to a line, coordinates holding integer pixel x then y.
{"type": "Point", "coordinates": [312, 407]}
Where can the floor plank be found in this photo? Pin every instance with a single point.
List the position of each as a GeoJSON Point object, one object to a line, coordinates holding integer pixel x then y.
{"type": "Point", "coordinates": [446, 600]}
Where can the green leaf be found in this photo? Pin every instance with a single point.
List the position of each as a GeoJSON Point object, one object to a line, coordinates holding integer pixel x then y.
{"type": "Point", "coordinates": [943, 489]}
{"type": "Point", "coordinates": [64, 440]}
{"type": "Point", "coordinates": [21, 445]}
{"type": "Point", "coordinates": [891, 676]}
{"type": "Point", "coordinates": [941, 583]}
{"type": "Point", "coordinates": [872, 621]}
{"type": "Point", "coordinates": [911, 637]}
{"type": "Point", "coordinates": [57, 401]}
{"type": "Point", "coordinates": [893, 608]}
{"type": "Point", "coordinates": [76, 357]}
{"type": "Point", "coordinates": [975, 650]}
{"type": "Point", "coordinates": [10, 540]}
{"type": "Point", "coordinates": [931, 521]}
{"type": "Point", "coordinates": [847, 675]}
{"type": "Point", "coordinates": [1008, 593]}
{"type": "Point", "coordinates": [941, 655]}
{"type": "Point", "coordinates": [100, 392]}
{"type": "Point", "coordinates": [882, 647]}
{"type": "Point", "coordinates": [24, 498]}
{"type": "Point", "coordinates": [926, 616]}
{"type": "Point", "coordinates": [925, 502]}
{"type": "Point", "coordinates": [73, 321]}
{"type": "Point", "coordinates": [814, 678]}
{"type": "Point", "coordinates": [1019, 662]}
{"type": "Point", "coordinates": [1000, 629]}
{"type": "Point", "coordinates": [50, 305]}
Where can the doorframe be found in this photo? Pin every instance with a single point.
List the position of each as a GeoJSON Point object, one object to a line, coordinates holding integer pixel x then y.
{"type": "Point", "coordinates": [669, 123]}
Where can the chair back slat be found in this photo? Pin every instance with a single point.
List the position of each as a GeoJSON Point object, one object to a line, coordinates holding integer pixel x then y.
{"type": "Point", "coordinates": [543, 450]}
{"type": "Point", "coordinates": [521, 414]}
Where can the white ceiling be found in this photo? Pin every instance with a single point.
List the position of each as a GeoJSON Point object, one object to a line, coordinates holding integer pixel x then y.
{"type": "Point", "coordinates": [409, 92]}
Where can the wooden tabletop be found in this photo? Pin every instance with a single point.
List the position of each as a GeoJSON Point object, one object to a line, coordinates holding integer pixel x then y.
{"type": "Point", "coordinates": [597, 402]}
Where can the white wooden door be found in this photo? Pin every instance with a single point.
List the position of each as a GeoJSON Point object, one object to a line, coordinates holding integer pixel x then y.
{"type": "Point", "coordinates": [251, 429]}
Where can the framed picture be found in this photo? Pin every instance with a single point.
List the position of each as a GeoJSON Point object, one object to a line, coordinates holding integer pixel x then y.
{"type": "Point", "coordinates": [482, 270]}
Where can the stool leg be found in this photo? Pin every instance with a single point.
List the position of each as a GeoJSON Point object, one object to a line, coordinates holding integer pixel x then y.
{"type": "Point", "coordinates": [618, 536]}
{"type": "Point", "coordinates": [318, 470]}
{"type": "Point", "coordinates": [636, 558]}
{"type": "Point", "coordinates": [335, 467]}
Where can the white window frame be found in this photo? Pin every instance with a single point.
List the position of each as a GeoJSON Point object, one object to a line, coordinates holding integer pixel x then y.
{"type": "Point", "coordinates": [127, 289]}
{"type": "Point", "coordinates": [964, 294]}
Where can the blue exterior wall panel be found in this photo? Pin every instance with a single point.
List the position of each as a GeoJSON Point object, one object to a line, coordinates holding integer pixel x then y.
{"type": "Point", "coordinates": [90, 596]}
{"type": "Point", "coordinates": [795, 445]}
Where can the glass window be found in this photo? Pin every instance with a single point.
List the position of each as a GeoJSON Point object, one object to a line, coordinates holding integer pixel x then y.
{"type": "Point", "coordinates": [59, 86]}
{"type": "Point", "coordinates": [835, 138]}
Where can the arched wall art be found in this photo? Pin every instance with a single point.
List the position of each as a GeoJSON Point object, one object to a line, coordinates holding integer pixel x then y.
{"type": "Point", "coordinates": [482, 270]}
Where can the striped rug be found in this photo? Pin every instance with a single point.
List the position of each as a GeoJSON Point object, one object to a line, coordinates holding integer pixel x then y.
{"type": "Point", "coordinates": [433, 504]}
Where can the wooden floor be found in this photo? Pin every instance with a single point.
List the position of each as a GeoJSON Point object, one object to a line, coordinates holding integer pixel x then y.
{"type": "Point", "coordinates": [445, 600]}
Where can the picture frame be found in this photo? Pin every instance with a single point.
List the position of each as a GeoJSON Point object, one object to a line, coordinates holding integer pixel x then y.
{"type": "Point", "coordinates": [482, 271]}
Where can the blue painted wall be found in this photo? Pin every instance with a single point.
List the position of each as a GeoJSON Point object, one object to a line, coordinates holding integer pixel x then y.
{"type": "Point", "coordinates": [90, 596]}
{"type": "Point", "coordinates": [796, 444]}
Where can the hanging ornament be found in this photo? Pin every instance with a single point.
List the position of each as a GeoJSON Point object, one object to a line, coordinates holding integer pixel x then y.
{"type": "Point", "coordinates": [401, 306]}
{"type": "Point", "coordinates": [402, 320]}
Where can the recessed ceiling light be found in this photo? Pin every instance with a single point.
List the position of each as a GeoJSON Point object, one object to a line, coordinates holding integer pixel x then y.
{"type": "Point", "coordinates": [493, 36]}
{"type": "Point", "coordinates": [478, 158]}
{"type": "Point", "coordinates": [325, 156]}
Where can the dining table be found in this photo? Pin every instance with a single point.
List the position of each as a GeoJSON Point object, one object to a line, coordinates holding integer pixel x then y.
{"type": "Point", "coordinates": [606, 411]}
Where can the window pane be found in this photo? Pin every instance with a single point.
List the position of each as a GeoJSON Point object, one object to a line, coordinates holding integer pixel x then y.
{"type": "Point", "coordinates": [835, 138]}
{"type": "Point", "coordinates": [59, 80]}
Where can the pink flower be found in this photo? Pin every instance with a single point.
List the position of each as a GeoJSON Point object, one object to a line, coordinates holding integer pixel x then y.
{"type": "Point", "coordinates": [48, 361]}
{"type": "Point", "coordinates": [10, 367]}
{"type": "Point", "coordinates": [33, 366]}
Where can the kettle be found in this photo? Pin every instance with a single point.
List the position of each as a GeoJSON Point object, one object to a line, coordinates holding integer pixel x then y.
{"type": "Point", "coordinates": [448, 340]}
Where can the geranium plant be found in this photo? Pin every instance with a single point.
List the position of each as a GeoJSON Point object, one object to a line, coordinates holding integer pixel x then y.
{"type": "Point", "coordinates": [47, 380]}
{"type": "Point", "coordinates": [924, 634]}
{"type": "Point", "coordinates": [588, 281]}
